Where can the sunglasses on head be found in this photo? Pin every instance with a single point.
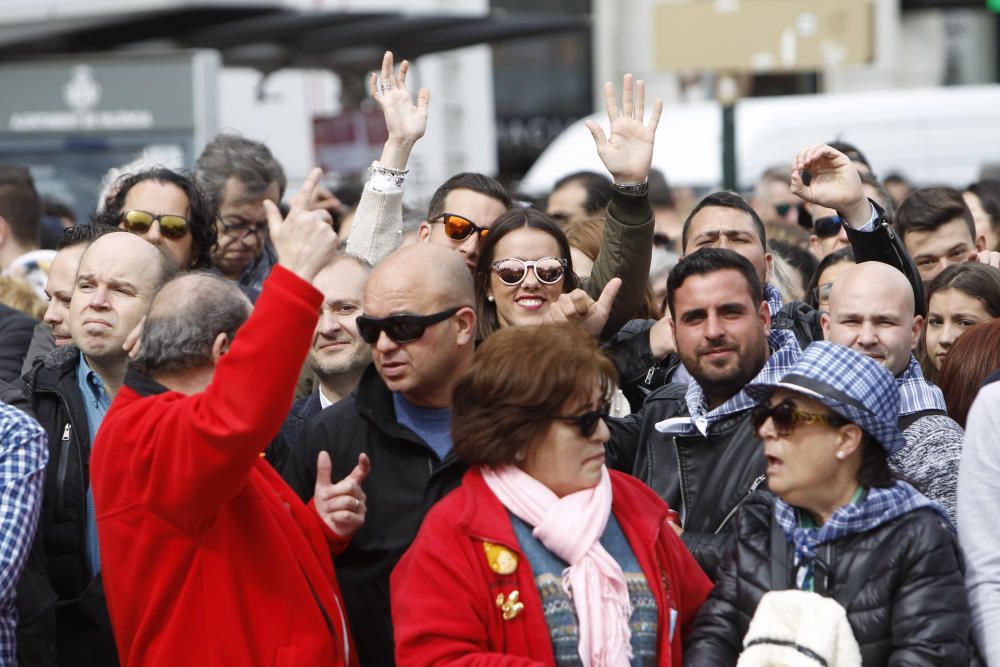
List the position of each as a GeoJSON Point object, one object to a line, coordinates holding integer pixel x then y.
{"type": "Point", "coordinates": [513, 271]}
{"type": "Point", "coordinates": [403, 328]}
{"type": "Point", "coordinates": [785, 417]}
{"type": "Point", "coordinates": [460, 228]}
{"type": "Point", "coordinates": [828, 227]}
{"type": "Point", "coordinates": [139, 222]}
{"type": "Point", "coordinates": [587, 422]}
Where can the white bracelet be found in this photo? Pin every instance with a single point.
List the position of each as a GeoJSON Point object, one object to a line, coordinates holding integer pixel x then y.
{"type": "Point", "coordinates": [397, 176]}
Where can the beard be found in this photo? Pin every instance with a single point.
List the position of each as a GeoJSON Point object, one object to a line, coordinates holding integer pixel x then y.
{"type": "Point", "coordinates": [724, 376]}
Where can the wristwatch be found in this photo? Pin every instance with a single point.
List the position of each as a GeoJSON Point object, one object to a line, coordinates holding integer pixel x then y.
{"type": "Point", "coordinates": [632, 188]}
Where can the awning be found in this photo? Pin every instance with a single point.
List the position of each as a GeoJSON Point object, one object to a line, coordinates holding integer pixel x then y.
{"type": "Point", "coordinates": [269, 39]}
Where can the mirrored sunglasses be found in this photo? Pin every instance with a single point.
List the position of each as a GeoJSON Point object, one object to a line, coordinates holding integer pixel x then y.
{"type": "Point", "coordinates": [403, 328]}
{"type": "Point", "coordinates": [460, 228]}
{"type": "Point", "coordinates": [139, 222]}
{"type": "Point", "coordinates": [512, 271]}
{"type": "Point", "coordinates": [828, 227]}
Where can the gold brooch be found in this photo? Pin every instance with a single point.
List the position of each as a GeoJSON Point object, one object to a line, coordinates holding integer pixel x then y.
{"type": "Point", "coordinates": [510, 607]}
{"type": "Point", "coordinates": [501, 559]}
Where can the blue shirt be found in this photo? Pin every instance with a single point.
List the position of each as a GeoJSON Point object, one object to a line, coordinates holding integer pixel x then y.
{"type": "Point", "coordinates": [23, 455]}
{"type": "Point", "coordinates": [433, 425]}
{"type": "Point", "coordinates": [96, 404]}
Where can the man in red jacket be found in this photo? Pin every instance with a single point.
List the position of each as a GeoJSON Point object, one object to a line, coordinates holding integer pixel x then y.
{"type": "Point", "coordinates": [209, 557]}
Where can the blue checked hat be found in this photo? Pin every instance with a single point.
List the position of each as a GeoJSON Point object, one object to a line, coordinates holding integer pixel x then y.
{"type": "Point", "coordinates": [854, 386]}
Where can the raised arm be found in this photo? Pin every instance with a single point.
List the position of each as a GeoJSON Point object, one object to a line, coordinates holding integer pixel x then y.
{"type": "Point", "coordinates": [378, 226]}
{"type": "Point", "coordinates": [628, 236]}
{"type": "Point", "coordinates": [833, 182]}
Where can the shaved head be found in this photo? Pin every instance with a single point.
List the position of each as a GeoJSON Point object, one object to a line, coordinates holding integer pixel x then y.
{"type": "Point", "coordinates": [439, 271]}
{"type": "Point", "coordinates": [423, 280]}
{"type": "Point", "coordinates": [872, 311]}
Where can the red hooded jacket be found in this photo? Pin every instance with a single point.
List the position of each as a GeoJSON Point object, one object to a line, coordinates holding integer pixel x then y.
{"type": "Point", "coordinates": [208, 557]}
{"type": "Point", "coordinates": [444, 593]}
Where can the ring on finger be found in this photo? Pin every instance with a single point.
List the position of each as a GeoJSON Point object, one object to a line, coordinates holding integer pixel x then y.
{"type": "Point", "coordinates": [387, 85]}
{"type": "Point", "coordinates": [357, 504]}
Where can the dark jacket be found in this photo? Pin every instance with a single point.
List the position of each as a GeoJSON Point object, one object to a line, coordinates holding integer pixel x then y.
{"type": "Point", "coordinates": [626, 253]}
{"type": "Point", "coordinates": [16, 330]}
{"type": "Point", "coordinates": [406, 480]}
{"type": "Point", "coordinates": [910, 609]}
{"type": "Point", "coordinates": [302, 411]}
{"type": "Point", "coordinates": [60, 606]}
{"type": "Point", "coordinates": [704, 478]}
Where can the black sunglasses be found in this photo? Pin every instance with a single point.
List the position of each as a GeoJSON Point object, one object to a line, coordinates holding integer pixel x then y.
{"type": "Point", "coordinates": [403, 328]}
{"type": "Point", "coordinates": [786, 417]}
{"type": "Point", "coordinates": [587, 422]}
{"type": "Point", "coordinates": [459, 227]}
{"type": "Point", "coordinates": [827, 227]}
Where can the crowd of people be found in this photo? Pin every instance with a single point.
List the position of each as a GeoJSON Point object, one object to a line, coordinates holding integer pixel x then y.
{"type": "Point", "coordinates": [607, 428]}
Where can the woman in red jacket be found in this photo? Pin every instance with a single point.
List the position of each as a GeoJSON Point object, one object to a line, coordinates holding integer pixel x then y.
{"type": "Point", "coordinates": [542, 556]}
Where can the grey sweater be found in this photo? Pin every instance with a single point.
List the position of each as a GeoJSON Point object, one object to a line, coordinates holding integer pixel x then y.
{"type": "Point", "coordinates": [930, 459]}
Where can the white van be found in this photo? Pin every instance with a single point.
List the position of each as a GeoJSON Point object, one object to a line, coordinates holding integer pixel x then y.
{"type": "Point", "coordinates": [932, 136]}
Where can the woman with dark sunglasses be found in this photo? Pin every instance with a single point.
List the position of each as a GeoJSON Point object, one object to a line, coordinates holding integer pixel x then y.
{"type": "Point", "coordinates": [542, 556]}
{"type": "Point", "coordinates": [841, 525]}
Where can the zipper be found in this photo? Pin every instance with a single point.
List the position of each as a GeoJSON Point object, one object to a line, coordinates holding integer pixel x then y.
{"type": "Point", "coordinates": [753, 487]}
{"type": "Point", "coordinates": [62, 467]}
{"type": "Point", "coordinates": [649, 375]}
{"type": "Point", "coordinates": [680, 475]}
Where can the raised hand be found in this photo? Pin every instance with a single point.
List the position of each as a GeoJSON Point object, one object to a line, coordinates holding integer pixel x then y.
{"type": "Point", "coordinates": [833, 182]}
{"type": "Point", "coordinates": [628, 152]}
{"type": "Point", "coordinates": [341, 505]}
{"type": "Point", "coordinates": [406, 123]}
{"type": "Point", "coordinates": [304, 241]}
{"type": "Point", "coordinates": [577, 306]}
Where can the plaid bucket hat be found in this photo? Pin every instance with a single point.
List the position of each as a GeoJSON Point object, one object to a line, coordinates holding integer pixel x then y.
{"type": "Point", "coordinates": [854, 386]}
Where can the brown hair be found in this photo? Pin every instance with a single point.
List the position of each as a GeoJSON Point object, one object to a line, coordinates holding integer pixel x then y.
{"type": "Point", "coordinates": [521, 378]}
{"type": "Point", "coordinates": [927, 209]}
{"type": "Point", "coordinates": [970, 360]}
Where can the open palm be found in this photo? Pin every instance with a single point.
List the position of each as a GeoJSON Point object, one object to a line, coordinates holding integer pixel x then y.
{"type": "Point", "coordinates": [628, 151]}
{"type": "Point", "coordinates": [405, 121]}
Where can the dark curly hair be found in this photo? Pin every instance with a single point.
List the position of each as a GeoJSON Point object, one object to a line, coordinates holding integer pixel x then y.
{"type": "Point", "coordinates": [201, 214]}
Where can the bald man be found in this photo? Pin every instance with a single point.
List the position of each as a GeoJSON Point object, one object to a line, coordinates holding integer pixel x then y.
{"type": "Point", "coordinates": [70, 390]}
{"type": "Point", "coordinates": [234, 568]}
{"type": "Point", "coordinates": [420, 321]}
{"type": "Point", "coordinates": [880, 322]}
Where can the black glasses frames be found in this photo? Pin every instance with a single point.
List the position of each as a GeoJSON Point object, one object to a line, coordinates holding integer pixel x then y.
{"type": "Point", "coordinates": [403, 328]}
{"type": "Point", "coordinates": [587, 422]}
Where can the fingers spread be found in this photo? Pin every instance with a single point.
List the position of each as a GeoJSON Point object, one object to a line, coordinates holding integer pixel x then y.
{"type": "Point", "coordinates": [596, 132]}
{"type": "Point", "coordinates": [423, 99]}
{"type": "Point", "coordinates": [373, 85]}
{"type": "Point", "coordinates": [387, 66]}
{"type": "Point", "coordinates": [654, 118]}
{"type": "Point", "coordinates": [640, 99]}
{"type": "Point", "coordinates": [609, 101]}
{"type": "Point", "coordinates": [628, 105]}
{"type": "Point", "coordinates": [404, 67]}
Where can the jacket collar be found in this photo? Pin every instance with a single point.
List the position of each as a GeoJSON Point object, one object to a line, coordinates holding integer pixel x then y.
{"type": "Point", "coordinates": [53, 368]}
{"type": "Point", "coordinates": [142, 384]}
{"type": "Point", "coordinates": [373, 401]}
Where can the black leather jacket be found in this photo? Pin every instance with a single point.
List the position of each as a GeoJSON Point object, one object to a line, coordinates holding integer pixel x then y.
{"type": "Point", "coordinates": [910, 607]}
{"type": "Point", "coordinates": [705, 479]}
{"type": "Point", "coordinates": [406, 480]}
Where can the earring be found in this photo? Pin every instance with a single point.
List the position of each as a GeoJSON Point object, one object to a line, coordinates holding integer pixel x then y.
{"type": "Point", "coordinates": [519, 457]}
{"type": "Point", "coordinates": [490, 298]}
{"type": "Point", "coordinates": [841, 455]}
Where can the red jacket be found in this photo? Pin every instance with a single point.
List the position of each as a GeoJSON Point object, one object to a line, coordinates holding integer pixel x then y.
{"type": "Point", "coordinates": [444, 594]}
{"type": "Point", "coordinates": [208, 557]}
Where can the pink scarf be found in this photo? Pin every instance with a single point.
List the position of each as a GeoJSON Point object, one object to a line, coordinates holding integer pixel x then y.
{"type": "Point", "coordinates": [571, 528]}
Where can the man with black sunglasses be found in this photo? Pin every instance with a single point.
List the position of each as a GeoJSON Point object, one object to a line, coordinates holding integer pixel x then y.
{"type": "Point", "coordinates": [420, 321]}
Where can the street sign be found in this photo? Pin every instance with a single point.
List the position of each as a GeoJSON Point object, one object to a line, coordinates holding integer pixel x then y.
{"type": "Point", "coordinates": [762, 35]}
